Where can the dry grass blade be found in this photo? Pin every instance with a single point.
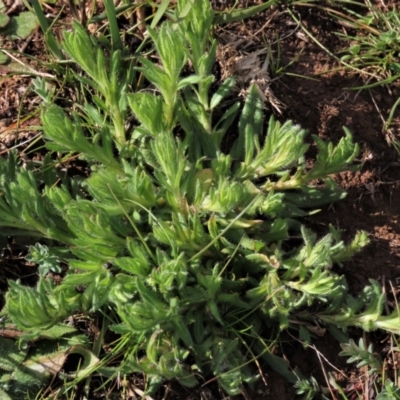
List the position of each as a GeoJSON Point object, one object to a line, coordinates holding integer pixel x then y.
{"type": "Point", "coordinates": [28, 68]}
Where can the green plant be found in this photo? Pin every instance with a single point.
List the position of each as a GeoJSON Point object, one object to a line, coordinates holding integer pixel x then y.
{"type": "Point", "coordinates": [374, 379]}
{"type": "Point", "coordinates": [41, 88]}
{"type": "Point", "coordinates": [193, 253]}
{"type": "Point", "coordinates": [39, 254]}
{"type": "Point", "coordinates": [372, 53]}
{"type": "Point", "coordinates": [390, 391]}
{"type": "Point", "coordinates": [110, 84]}
{"type": "Point", "coordinates": [19, 27]}
{"type": "Point", "coordinates": [364, 356]}
{"type": "Point", "coordinates": [375, 48]}
{"type": "Point", "coordinates": [48, 34]}
{"type": "Point", "coordinates": [309, 388]}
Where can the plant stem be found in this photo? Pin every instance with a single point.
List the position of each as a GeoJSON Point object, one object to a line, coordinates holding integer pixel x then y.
{"type": "Point", "coordinates": [119, 125]}
{"type": "Point", "coordinates": [294, 183]}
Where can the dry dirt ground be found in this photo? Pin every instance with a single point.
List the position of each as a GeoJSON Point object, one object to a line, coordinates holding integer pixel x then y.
{"type": "Point", "coordinates": [323, 105]}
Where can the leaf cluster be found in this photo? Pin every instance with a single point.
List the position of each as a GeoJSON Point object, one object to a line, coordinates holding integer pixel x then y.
{"type": "Point", "coordinates": [39, 254]}
{"type": "Point", "coordinates": [191, 249]}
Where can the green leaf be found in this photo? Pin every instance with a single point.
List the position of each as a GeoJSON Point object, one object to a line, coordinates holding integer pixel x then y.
{"type": "Point", "coordinates": [183, 332]}
{"type": "Point", "coordinates": [4, 20]}
{"type": "Point", "coordinates": [11, 354]}
{"type": "Point", "coordinates": [66, 136]}
{"type": "Point", "coordinates": [148, 109]}
{"type": "Point", "coordinates": [150, 297]}
{"type": "Point", "coordinates": [279, 365]}
{"type": "Point", "coordinates": [354, 50]}
{"type": "Point", "coordinates": [81, 49]}
{"type": "Point", "coordinates": [50, 39]}
{"type": "Point", "coordinates": [37, 370]}
{"type": "Point", "coordinates": [283, 148]}
{"type": "Point", "coordinates": [159, 78]}
{"type": "Point", "coordinates": [222, 92]}
{"type": "Point", "coordinates": [112, 19]}
{"type": "Point", "coordinates": [312, 197]}
{"type": "Point", "coordinates": [333, 159]}
{"type": "Point", "coordinates": [36, 309]}
{"type": "Point", "coordinates": [190, 80]}
{"type": "Point", "coordinates": [132, 266]}
{"type": "Point", "coordinates": [21, 26]}
{"type": "Point", "coordinates": [160, 13]}
{"type": "Point", "coordinates": [4, 395]}
{"type": "Point", "coordinates": [169, 45]}
{"type": "Point", "coordinates": [364, 356]}
{"type": "Point", "coordinates": [251, 116]}
{"type": "Point", "coordinates": [3, 58]}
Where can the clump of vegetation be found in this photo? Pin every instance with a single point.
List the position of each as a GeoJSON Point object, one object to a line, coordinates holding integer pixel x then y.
{"type": "Point", "coordinates": [188, 246]}
{"type": "Point", "coordinates": [375, 48]}
{"type": "Point", "coordinates": [47, 262]}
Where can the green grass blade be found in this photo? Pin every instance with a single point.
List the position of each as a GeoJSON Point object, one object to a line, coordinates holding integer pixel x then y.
{"type": "Point", "coordinates": [44, 24]}
{"type": "Point", "coordinates": [389, 120]}
{"type": "Point", "coordinates": [48, 34]}
{"type": "Point", "coordinates": [53, 44]}
{"type": "Point", "coordinates": [237, 15]}
{"type": "Point", "coordinates": [118, 10]}
{"type": "Point", "coordinates": [316, 41]}
{"type": "Point", "coordinates": [386, 81]}
{"type": "Point", "coordinates": [112, 19]}
{"type": "Point", "coordinates": [185, 10]}
{"type": "Point", "coordinates": [160, 12]}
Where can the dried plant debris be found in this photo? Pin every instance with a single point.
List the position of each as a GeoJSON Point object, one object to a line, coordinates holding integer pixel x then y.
{"type": "Point", "coordinates": [248, 61]}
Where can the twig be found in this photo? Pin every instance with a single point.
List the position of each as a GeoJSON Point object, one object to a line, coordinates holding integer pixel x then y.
{"type": "Point", "coordinates": [319, 354]}
{"type": "Point", "coordinates": [43, 74]}
{"type": "Point", "coordinates": [324, 372]}
{"type": "Point", "coordinates": [26, 43]}
{"type": "Point", "coordinates": [17, 3]}
{"type": "Point", "coordinates": [20, 144]}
